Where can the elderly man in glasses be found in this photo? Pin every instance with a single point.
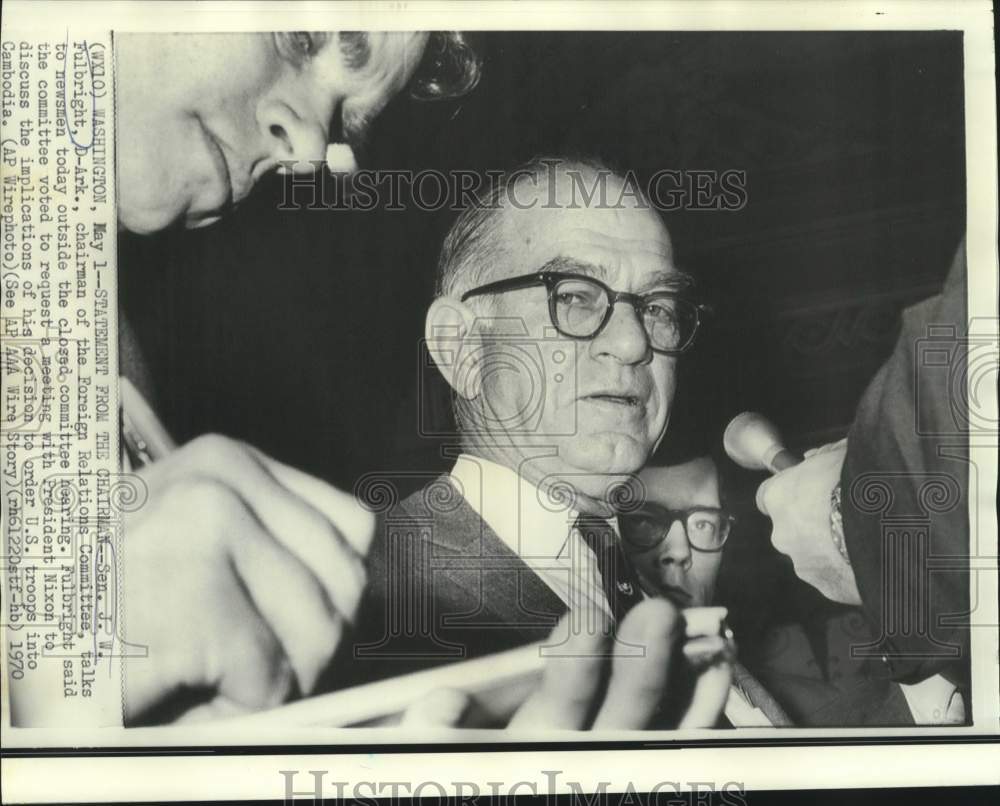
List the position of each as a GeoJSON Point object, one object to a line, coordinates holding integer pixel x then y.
{"type": "Point", "coordinates": [560, 318]}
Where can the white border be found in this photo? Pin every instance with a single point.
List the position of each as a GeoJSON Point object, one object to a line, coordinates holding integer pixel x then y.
{"type": "Point", "coordinates": [242, 777]}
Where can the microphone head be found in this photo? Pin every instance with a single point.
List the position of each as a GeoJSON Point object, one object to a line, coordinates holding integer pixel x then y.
{"type": "Point", "coordinates": [752, 441]}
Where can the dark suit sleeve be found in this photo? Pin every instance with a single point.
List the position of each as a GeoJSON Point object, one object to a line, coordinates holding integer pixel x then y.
{"type": "Point", "coordinates": [398, 628]}
{"type": "Point", "coordinates": [904, 487]}
{"type": "Point", "coordinates": [442, 588]}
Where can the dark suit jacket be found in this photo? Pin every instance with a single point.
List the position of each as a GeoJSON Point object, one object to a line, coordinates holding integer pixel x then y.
{"type": "Point", "coordinates": [443, 587]}
{"type": "Point", "coordinates": [905, 486]}
{"type": "Point", "coordinates": [830, 689]}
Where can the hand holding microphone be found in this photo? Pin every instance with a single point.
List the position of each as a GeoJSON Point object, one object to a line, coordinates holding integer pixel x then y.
{"type": "Point", "coordinates": [753, 442]}
{"type": "Point", "coordinates": [797, 499]}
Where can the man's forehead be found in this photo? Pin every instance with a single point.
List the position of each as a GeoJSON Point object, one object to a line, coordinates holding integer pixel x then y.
{"type": "Point", "coordinates": [585, 240]}
{"type": "Point", "coordinates": [693, 483]}
{"type": "Point", "coordinates": [638, 272]}
{"type": "Point", "coordinates": [543, 217]}
{"type": "Point", "coordinates": [645, 254]}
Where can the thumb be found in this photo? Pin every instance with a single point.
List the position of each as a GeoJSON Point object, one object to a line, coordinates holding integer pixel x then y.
{"type": "Point", "coordinates": [709, 698]}
{"type": "Point", "coordinates": [219, 708]}
{"type": "Point", "coordinates": [761, 498]}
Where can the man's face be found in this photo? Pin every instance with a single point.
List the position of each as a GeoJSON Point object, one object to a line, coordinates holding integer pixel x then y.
{"type": "Point", "coordinates": [596, 407]}
{"type": "Point", "coordinates": [201, 117]}
{"type": "Point", "coordinates": [673, 568]}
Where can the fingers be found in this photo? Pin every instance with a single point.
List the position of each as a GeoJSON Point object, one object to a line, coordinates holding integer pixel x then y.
{"type": "Point", "coordinates": [799, 485]}
{"type": "Point", "coordinates": [185, 602]}
{"type": "Point", "coordinates": [236, 581]}
{"type": "Point", "coordinates": [246, 664]}
{"type": "Point", "coordinates": [312, 534]}
{"type": "Point", "coordinates": [773, 490]}
{"type": "Point", "coordinates": [355, 523]}
{"type": "Point", "coordinates": [832, 446]}
{"type": "Point", "coordinates": [639, 682]}
{"type": "Point", "coordinates": [710, 694]}
{"type": "Point", "coordinates": [572, 678]}
{"type": "Point", "coordinates": [219, 708]}
{"type": "Point", "coordinates": [709, 651]}
{"type": "Point", "coordinates": [290, 599]}
{"type": "Point", "coordinates": [443, 707]}
{"type": "Point", "coordinates": [763, 497]}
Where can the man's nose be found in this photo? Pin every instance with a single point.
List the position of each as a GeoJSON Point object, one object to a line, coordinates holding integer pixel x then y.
{"type": "Point", "coordinates": [624, 337]}
{"type": "Point", "coordinates": [675, 549]}
{"type": "Point", "coordinates": [298, 141]}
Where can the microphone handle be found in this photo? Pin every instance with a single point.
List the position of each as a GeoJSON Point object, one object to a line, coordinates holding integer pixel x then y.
{"type": "Point", "coordinates": [782, 460]}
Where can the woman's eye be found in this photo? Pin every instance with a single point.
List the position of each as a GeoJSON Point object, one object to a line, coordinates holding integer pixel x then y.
{"type": "Point", "coordinates": [298, 46]}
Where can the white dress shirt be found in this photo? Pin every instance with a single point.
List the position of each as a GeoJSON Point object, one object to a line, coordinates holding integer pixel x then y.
{"type": "Point", "coordinates": [934, 701]}
{"type": "Point", "coordinates": [537, 529]}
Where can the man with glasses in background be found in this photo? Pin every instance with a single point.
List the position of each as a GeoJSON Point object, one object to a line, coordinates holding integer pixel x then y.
{"type": "Point", "coordinates": [675, 540]}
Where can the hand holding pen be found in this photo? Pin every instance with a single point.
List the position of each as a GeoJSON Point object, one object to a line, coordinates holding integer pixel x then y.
{"type": "Point", "coordinates": [241, 575]}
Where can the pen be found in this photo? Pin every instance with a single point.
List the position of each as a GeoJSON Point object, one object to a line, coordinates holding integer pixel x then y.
{"type": "Point", "coordinates": [145, 437]}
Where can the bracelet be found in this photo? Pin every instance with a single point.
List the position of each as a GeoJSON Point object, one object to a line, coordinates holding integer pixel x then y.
{"type": "Point", "coordinates": [837, 524]}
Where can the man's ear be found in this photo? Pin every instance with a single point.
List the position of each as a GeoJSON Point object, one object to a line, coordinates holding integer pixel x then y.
{"type": "Point", "coordinates": [449, 331]}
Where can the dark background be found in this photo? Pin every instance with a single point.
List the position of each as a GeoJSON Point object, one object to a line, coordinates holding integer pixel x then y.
{"type": "Point", "coordinates": [299, 331]}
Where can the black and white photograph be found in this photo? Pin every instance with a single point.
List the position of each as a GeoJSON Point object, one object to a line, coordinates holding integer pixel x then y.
{"type": "Point", "coordinates": [553, 383]}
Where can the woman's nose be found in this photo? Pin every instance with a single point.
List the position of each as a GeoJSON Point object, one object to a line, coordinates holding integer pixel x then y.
{"type": "Point", "coordinates": [296, 141]}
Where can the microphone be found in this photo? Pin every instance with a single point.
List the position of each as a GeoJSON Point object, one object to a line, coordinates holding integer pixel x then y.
{"type": "Point", "coordinates": [753, 442]}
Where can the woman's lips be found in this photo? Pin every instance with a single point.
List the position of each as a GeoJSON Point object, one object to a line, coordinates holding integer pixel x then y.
{"type": "Point", "coordinates": [221, 194]}
{"type": "Point", "coordinates": [230, 186]}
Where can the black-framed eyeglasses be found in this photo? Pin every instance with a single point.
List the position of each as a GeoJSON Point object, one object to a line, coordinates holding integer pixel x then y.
{"type": "Point", "coordinates": [580, 307]}
{"type": "Point", "coordinates": [707, 528]}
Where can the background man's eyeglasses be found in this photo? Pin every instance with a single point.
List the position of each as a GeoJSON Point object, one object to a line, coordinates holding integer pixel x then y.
{"type": "Point", "coordinates": [707, 528]}
{"type": "Point", "coordinates": [580, 307]}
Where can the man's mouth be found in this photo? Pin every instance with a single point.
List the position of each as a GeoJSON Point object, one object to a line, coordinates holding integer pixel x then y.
{"type": "Point", "coordinates": [678, 596]}
{"type": "Point", "coordinates": [632, 401]}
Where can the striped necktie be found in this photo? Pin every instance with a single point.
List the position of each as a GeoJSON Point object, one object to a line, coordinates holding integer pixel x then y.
{"type": "Point", "coordinates": [618, 578]}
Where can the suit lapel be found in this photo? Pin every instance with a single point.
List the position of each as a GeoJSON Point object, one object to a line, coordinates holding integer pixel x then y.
{"type": "Point", "coordinates": [506, 592]}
